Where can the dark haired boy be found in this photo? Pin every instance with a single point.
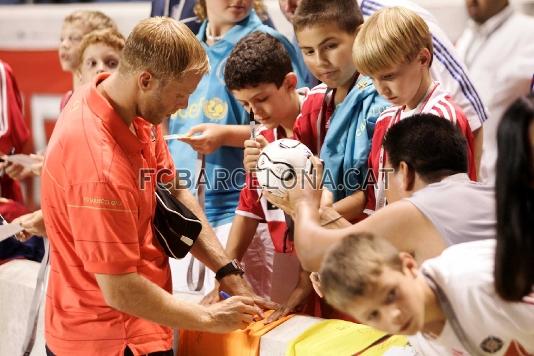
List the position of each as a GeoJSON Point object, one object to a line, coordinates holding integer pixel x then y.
{"type": "Point", "coordinates": [433, 203]}
{"type": "Point", "coordinates": [259, 74]}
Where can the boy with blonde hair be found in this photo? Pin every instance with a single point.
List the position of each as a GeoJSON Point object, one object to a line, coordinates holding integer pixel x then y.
{"type": "Point", "coordinates": [394, 48]}
{"type": "Point", "coordinates": [75, 26]}
{"type": "Point", "coordinates": [110, 289]}
{"type": "Point", "coordinates": [449, 303]}
{"type": "Point", "coordinates": [100, 51]}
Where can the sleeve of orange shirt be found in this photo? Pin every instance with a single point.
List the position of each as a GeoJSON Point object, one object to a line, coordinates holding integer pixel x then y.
{"type": "Point", "coordinates": [164, 160]}
{"type": "Point", "coordinates": [104, 224]}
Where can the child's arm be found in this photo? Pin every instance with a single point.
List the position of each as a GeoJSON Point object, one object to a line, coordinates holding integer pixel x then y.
{"type": "Point", "coordinates": [241, 235]}
{"type": "Point", "coordinates": [351, 207]}
{"type": "Point", "coordinates": [206, 138]}
{"type": "Point", "coordinates": [296, 299]}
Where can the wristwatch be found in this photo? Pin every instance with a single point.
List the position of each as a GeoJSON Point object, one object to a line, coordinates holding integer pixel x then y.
{"type": "Point", "coordinates": [233, 267]}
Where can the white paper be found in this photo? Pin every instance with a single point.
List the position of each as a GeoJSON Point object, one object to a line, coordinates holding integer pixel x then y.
{"type": "Point", "coordinates": [174, 137]}
{"type": "Point", "coordinates": [22, 159]}
{"type": "Point", "coordinates": [8, 230]}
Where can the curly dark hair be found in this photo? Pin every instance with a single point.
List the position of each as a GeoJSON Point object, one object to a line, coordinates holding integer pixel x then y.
{"type": "Point", "coordinates": [257, 58]}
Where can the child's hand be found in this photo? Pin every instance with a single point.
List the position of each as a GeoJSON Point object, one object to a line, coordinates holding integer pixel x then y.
{"type": "Point", "coordinates": [252, 152]}
{"type": "Point", "coordinates": [33, 224]}
{"type": "Point", "coordinates": [297, 299]}
{"type": "Point", "coordinates": [211, 297]}
{"type": "Point", "coordinates": [205, 138]}
{"type": "Point", "coordinates": [316, 283]}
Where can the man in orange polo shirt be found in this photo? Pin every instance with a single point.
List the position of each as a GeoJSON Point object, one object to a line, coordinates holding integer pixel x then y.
{"type": "Point", "coordinates": [109, 284]}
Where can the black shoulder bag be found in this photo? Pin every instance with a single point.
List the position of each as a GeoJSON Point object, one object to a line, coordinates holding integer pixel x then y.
{"type": "Point", "coordinates": [175, 226]}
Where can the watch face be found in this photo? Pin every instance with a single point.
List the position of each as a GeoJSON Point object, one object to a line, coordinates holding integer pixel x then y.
{"type": "Point", "coordinates": [237, 266]}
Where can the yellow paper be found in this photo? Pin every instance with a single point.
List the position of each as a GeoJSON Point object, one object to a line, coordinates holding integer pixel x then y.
{"type": "Point", "coordinates": [340, 338]}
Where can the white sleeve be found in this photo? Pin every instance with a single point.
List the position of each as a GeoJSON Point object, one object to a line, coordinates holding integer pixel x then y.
{"type": "Point", "coordinates": [449, 70]}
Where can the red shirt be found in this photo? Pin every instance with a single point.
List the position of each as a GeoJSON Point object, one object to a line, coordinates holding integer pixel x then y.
{"type": "Point", "coordinates": [13, 135]}
{"type": "Point", "coordinates": [308, 128]}
{"type": "Point", "coordinates": [438, 103]}
{"type": "Point", "coordinates": [98, 217]}
{"type": "Point", "coordinates": [254, 206]}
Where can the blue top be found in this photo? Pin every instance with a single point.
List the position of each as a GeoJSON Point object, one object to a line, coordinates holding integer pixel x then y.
{"type": "Point", "coordinates": [347, 144]}
{"type": "Point", "coordinates": [212, 102]}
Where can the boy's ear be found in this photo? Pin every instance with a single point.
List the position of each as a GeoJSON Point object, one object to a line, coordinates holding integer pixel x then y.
{"type": "Point", "coordinates": [409, 264]}
{"type": "Point", "coordinates": [290, 81]}
{"type": "Point", "coordinates": [425, 56]}
{"type": "Point", "coordinates": [145, 80]}
{"type": "Point", "coordinates": [408, 176]}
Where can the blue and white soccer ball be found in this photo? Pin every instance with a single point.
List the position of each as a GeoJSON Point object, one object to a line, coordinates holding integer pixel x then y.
{"type": "Point", "coordinates": [278, 165]}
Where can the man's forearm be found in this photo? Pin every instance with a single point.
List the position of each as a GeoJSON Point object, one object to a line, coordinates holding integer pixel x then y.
{"type": "Point", "coordinates": [135, 295]}
{"type": "Point", "coordinates": [207, 247]}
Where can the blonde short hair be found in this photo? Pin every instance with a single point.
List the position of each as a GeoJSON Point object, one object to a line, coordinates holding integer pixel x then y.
{"type": "Point", "coordinates": [164, 47]}
{"type": "Point", "coordinates": [202, 14]}
{"type": "Point", "coordinates": [389, 37]}
{"type": "Point", "coordinates": [352, 267]}
{"type": "Point", "coordinates": [91, 20]}
{"type": "Point", "coordinates": [109, 37]}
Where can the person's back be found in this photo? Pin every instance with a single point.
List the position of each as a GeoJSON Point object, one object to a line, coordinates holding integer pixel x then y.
{"type": "Point", "coordinates": [460, 209]}
{"type": "Point", "coordinates": [497, 40]}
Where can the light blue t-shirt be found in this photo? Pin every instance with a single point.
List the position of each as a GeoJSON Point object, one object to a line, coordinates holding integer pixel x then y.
{"type": "Point", "coordinates": [212, 102]}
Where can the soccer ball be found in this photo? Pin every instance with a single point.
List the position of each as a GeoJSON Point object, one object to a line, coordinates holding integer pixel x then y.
{"type": "Point", "coordinates": [279, 163]}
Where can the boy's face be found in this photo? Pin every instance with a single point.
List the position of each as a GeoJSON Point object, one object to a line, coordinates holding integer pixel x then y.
{"type": "Point", "coordinates": [269, 103]}
{"type": "Point", "coordinates": [97, 58]}
{"type": "Point", "coordinates": [402, 83]}
{"type": "Point", "coordinates": [159, 100]}
{"type": "Point", "coordinates": [228, 11]}
{"type": "Point", "coordinates": [327, 52]}
{"type": "Point", "coordinates": [395, 304]}
{"type": "Point", "coordinates": [69, 44]}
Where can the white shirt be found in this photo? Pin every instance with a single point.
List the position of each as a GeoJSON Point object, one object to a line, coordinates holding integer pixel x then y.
{"type": "Point", "coordinates": [492, 326]}
{"type": "Point", "coordinates": [446, 67]}
{"type": "Point", "coordinates": [499, 55]}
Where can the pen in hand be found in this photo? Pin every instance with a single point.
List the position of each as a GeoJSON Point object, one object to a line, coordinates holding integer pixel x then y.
{"type": "Point", "coordinates": [252, 124]}
{"type": "Point", "coordinates": [224, 295]}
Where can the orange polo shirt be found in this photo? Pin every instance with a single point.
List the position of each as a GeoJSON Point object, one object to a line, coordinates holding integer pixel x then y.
{"type": "Point", "coordinates": [98, 219]}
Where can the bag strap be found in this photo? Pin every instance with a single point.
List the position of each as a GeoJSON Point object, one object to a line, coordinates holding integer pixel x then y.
{"type": "Point", "coordinates": [38, 295]}
{"type": "Point", "coordinates": [447, 308]}
{"type": "Point", "coordinates": [201, 195]}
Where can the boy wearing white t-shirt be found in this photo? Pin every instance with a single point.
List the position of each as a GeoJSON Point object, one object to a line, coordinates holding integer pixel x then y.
{"type": "Point", "coordinates": [449, 303]}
